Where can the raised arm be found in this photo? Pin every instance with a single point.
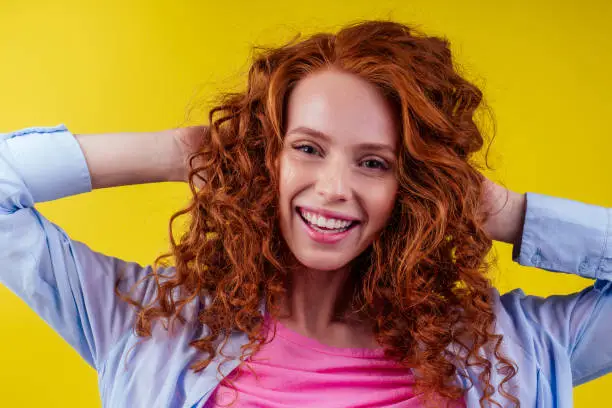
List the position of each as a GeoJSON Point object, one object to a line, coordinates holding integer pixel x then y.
{"type": "Point", "coordinates": [565, 236]}
{"type": "Point", "coordinates": [66, 283]}
{"type": "Point", "coordinates": [137, 158]}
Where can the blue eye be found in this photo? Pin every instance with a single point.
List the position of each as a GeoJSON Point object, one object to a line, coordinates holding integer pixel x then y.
{"type": "Point", "coordinates": [308, 149]}
{"type": "Point", "coordinates": [374, 164]}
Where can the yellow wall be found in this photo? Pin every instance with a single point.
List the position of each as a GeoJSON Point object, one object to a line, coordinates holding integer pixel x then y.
{"type": "Point", "coordinates": [135, 65]}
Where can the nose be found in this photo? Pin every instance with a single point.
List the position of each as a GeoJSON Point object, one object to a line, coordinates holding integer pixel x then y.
{"type": "Point", "coordinates": [333, 181]}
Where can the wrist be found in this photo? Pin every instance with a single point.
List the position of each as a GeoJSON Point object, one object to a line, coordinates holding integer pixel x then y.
{"type": "Point", "coordinates": [506, 214]}
{"type": "Point", "coordinates": [517, 218]}
{"type": "Point", "coordinates": [172, 161]}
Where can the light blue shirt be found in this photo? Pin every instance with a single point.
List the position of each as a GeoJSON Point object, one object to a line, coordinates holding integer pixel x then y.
{"type": "Point", "coordinates": [557, 342]}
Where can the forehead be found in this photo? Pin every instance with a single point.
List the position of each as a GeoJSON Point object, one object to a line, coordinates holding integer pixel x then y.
{"type": "Point", "coordinates": [343, 106]}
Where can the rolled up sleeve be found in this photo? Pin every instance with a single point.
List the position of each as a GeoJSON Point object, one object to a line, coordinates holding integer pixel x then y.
{"type": "Point", "coordinates": [566, 236]}
{"type": "Point", "coordinates": [66, 283]}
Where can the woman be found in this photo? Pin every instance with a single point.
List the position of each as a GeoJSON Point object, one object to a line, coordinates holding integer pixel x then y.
{"type": "Point", "coordinates": [335, 255]}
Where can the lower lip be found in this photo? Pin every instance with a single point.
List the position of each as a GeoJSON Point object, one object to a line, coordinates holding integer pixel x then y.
{"type": "Point", "coordinates": [325, 237]}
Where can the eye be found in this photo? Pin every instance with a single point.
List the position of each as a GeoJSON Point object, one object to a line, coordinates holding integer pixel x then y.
{"type": "Point", "coordinates": [375, 164]}
{"type": "Point", "coordinates": [306, 148]}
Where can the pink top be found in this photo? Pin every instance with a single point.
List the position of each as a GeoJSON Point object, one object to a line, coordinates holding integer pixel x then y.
{"type": "Point", "coordinates": [297, 371]}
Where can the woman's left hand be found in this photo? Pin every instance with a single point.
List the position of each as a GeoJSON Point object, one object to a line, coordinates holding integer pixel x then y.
{"type": "Point", "coordinates": [505, 210]}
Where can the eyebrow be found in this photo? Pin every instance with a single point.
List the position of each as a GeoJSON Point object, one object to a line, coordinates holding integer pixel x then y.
{"type": "Point", "coordinates": [320, 135]}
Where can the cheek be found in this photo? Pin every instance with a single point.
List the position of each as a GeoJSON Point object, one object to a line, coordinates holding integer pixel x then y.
{"type": "Point", "coordinates": [291, 181]}
{"type": "Point", "coordinates": [294, 176]}
{"type": "Point", "coordinates": [287, 178]}
{"type": "Point", "coordinates": [287, 173]}
{"type": "Point", "coordinates": [381, 201]}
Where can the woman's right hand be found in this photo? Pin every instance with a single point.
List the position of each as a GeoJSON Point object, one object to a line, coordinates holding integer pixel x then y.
{"type": "Point", "coordinates": [188, 140]}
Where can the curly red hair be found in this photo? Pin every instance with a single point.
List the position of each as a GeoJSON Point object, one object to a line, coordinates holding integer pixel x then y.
{"type": "Point", "coordinates": [422, 284]}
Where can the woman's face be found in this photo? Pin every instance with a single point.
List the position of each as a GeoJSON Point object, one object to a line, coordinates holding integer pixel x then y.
{"type": "Point", "coordinates": [337, 179]}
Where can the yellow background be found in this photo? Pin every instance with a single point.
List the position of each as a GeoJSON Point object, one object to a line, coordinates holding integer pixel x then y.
{"type": "Point", "coordinates": [119, 65]}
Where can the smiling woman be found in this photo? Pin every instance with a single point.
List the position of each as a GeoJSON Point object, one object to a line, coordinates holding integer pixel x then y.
{"type": "Point", "coordinates": [336, 249]}
{"type": "Point", "coordinates": [371, 125]}
{"type": "Point", "coordinates": [342, 171]}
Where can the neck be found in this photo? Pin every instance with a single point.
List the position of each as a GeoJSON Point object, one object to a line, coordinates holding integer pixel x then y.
{"type": "Point", "coordinates": [315, 297]}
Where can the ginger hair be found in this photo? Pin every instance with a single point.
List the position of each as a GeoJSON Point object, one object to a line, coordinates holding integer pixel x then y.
{"type": "Point", "coordinates": [422, 284]}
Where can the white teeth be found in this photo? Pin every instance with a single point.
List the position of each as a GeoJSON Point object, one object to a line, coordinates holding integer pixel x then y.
{"type": "Point", "coordinates": [329, 223]}
{"type": "Point", "coordinates": [327, 231]}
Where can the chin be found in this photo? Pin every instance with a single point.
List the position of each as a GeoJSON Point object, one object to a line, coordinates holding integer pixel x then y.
{"type": "Point", "coordinates": [322, 262]}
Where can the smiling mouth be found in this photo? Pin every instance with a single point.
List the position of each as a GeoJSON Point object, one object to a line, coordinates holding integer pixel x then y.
{"type": "Point", "coordinates": [325, 225]}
